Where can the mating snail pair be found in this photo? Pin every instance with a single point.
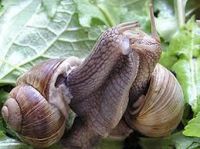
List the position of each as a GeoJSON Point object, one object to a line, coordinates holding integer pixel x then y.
{"type": "Point", "coordinates": [119, 81]}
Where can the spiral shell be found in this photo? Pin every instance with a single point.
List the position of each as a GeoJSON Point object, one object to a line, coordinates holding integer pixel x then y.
{"type": "Point", "coordinates": [37, 108]}
{"type": "Point", "coordinates": [163, 107]}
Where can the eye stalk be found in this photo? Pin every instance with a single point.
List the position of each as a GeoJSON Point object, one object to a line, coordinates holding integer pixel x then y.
{"type": "Point", "coordinates": [153, 24]}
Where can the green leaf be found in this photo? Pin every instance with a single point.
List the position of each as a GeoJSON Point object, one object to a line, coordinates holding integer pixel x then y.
{"type": "Point", "coordinates": [28, 36]}
{"type": "Point", "coordinates": [181, 42]}
{"type": "Point", "coordinates": [175, 141]}
{"type": "Point", "coordinates": [182, 57]}
{"type": "Point", "coordinates": [193, 127]}
{"type": "Point", "coordinates": [188, 74]}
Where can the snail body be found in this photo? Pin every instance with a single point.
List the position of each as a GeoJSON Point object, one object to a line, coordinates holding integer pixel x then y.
{"type": "Point", "coordinates": [100, 87]}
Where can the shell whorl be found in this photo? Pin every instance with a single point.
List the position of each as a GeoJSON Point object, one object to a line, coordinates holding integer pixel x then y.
{"type": "Point", "coordinates": [163, 107]}
{"type": "Point", "coordinates": [37, 108]}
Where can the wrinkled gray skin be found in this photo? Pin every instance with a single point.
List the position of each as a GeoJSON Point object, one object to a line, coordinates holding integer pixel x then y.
{"type": "Point", "coordinates": [109, 81]}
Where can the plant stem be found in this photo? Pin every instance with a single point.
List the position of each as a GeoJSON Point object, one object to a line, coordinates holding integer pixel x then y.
{"type": "Point", "coordinates": [180, 7]}
{"type": "Point", "coordinates": [107, 16]}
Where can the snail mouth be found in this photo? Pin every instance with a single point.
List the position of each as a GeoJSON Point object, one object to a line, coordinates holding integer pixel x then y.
{"type": "Point", "coordinates": [12, 114]}
{"type": "Point", "coordinates": [60, 80]}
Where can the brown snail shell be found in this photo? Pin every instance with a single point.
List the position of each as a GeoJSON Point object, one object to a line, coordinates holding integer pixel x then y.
{"type": "Point", "coordinates": [163, 105]}
{"type": "Point", "coordinates": [37, 108]}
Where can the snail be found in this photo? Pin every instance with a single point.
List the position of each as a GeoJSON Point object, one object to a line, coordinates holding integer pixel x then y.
{"type": "Point", "coordinates": [154, 95]}
{"type": "Point", "coordinates": [163, 105]}
{"type": "Point", "coordinates": [158, 112]}
{"type": "Point", "coordinates": [107, 86]}
{"type": "Point", "coordinates": [37, 108]}
{"type": "Point", "coordinates": [150, 105]}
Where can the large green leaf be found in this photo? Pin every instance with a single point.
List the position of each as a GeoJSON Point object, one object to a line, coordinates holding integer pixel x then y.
{"type": "Point", "coordinates": [34, 30]}
{"type": "Point", "coordinates": [28, 35]}
{"type": "Point", "coordinates": [188, 73]}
